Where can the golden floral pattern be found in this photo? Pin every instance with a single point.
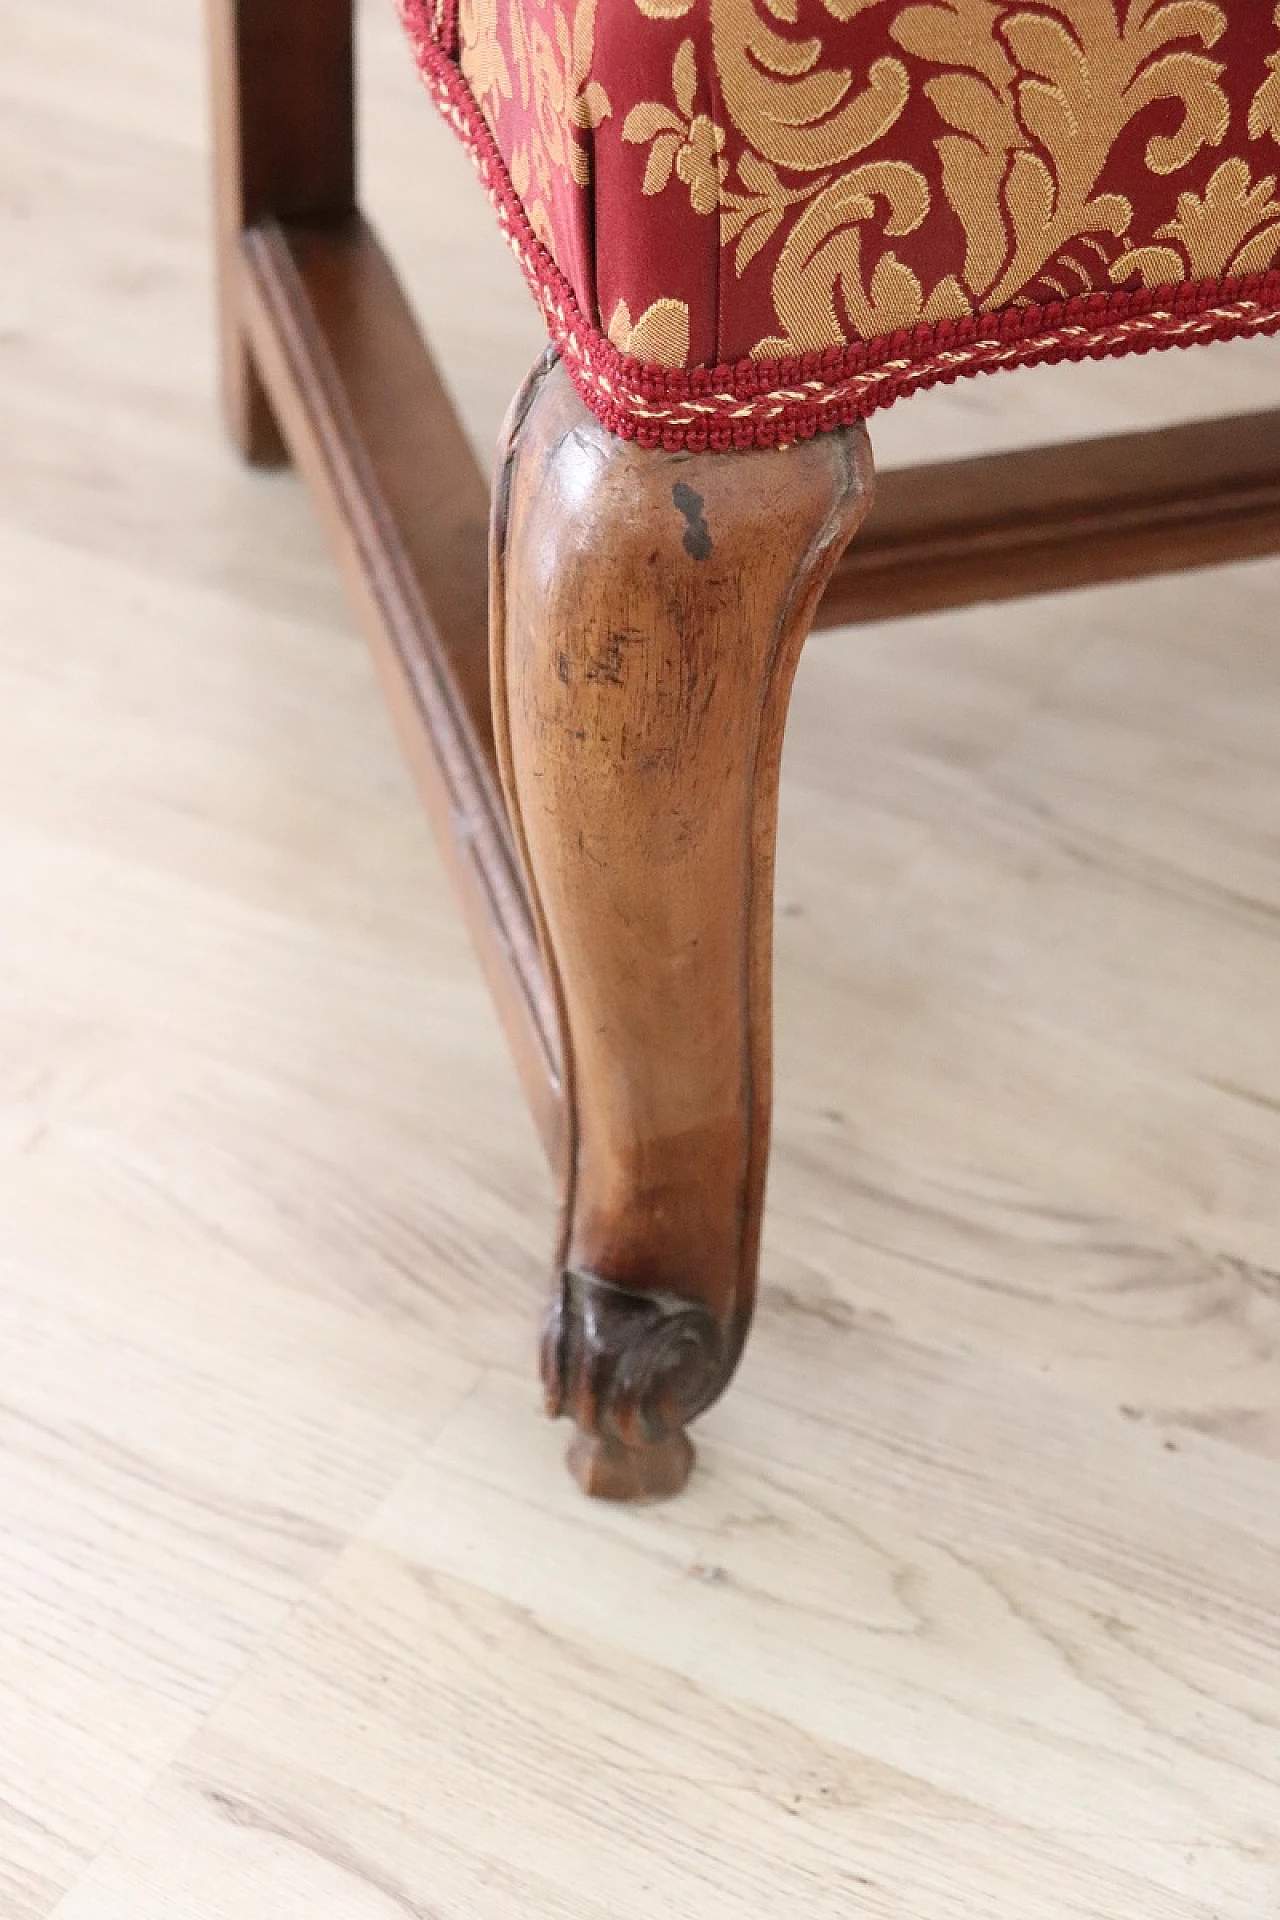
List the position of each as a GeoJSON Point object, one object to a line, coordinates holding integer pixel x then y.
{"type": "Point", "coordinates": [690, 142]}
{"type": "Point", "coordinates": [559, 100]}
{"type": "Point", "coordinates": [1264, 114]}
{"type": "Point", "coordinates": [660, 334]}
{"type": "Point", "coordinates": [759, 178]}
{"type": "Point", "coordinates": [1233, 227]}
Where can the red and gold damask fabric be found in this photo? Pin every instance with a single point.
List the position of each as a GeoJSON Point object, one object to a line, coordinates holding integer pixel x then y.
{"type": "Point", "coordinates": [746, 220]}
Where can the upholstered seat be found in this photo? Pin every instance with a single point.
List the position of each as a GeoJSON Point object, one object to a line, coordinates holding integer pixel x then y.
{"type": "Point", "coordinates": [748, 219]}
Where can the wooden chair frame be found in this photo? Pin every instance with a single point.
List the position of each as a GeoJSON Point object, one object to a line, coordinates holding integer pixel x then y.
{"type": "Point", "coordinates": [605, 795]}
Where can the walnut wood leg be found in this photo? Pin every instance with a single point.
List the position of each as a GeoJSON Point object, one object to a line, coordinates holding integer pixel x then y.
{"type": "Point", "coordinates": [649, 612]}
{"type": "Point", "coordinates": [283, 98]}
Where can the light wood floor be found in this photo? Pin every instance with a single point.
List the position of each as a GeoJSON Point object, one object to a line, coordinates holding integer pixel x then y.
{"type": "Point", "coordinates": [973, 1608]}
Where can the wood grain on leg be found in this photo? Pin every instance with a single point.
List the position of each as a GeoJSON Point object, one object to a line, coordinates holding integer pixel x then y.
{"type": "Point", "coordinates": [649, 612]}
{"type": "Point", "coordinates": [283, 99]}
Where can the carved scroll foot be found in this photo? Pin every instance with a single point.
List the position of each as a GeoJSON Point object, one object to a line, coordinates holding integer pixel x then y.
{"type": "Point", "coordinates": [631, 1369]}
{"type": "Point", "coordinates": [609, 1472]}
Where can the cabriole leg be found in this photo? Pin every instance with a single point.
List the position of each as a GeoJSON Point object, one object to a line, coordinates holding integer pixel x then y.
{"type": "Point", "coordinates": [649, 610]}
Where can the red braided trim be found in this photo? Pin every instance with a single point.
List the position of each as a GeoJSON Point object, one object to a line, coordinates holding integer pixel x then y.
{"type": "Point", "coordinates": [770, 403]}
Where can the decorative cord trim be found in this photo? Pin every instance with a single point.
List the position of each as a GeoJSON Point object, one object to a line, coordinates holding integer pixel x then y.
{"type": "Point", "coordinates": [772, 403]}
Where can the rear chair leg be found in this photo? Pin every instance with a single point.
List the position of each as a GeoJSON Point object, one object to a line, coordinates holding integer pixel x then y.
{"type": "Point", "coordinates": [283, 85]}
{"type": "Point", "coordinates": [649, 611]}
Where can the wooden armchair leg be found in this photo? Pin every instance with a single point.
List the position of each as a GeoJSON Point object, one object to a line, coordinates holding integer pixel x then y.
{"type": "Point", "coordinates": [649, 610]}
{"type": "Point", "coordinates": [283, 97]}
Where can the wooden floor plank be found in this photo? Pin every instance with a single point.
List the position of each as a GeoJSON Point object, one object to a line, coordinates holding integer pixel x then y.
{"type": "Point", "coordinates": [692, 1808]}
